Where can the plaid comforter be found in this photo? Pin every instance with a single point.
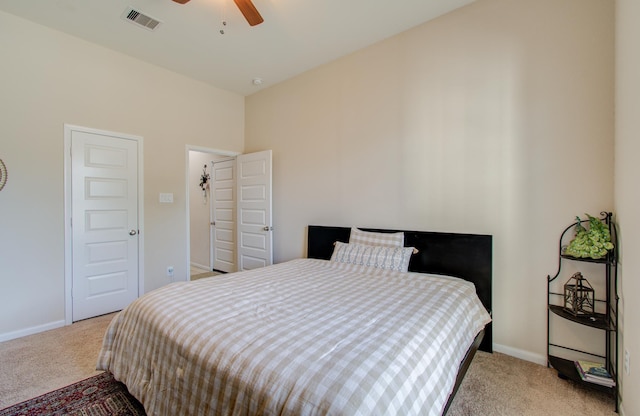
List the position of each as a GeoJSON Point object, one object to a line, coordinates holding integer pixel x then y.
{"type": "Point", "coordinates": [306, 337]}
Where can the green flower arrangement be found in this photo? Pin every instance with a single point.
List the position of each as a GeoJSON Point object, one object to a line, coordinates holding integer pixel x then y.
{"type": "Point", "coordinates": [594, 242]}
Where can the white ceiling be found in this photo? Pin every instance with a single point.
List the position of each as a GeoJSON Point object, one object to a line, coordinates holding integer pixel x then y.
{"type": "Point", "coordinates": [297, 35]}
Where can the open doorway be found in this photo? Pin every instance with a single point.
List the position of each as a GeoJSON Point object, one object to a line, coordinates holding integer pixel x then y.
{"type": "Point", "coordinates": [251, 229]}
{"type": "Point", "coordinates": [201, 249]}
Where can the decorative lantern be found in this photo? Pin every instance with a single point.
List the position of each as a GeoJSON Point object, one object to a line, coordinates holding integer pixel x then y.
{"type": "Point", "coordinates": [579, 297]}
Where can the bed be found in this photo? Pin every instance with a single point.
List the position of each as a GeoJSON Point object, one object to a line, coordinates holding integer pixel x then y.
{"type": "Point", "coordinates": [314, 336]}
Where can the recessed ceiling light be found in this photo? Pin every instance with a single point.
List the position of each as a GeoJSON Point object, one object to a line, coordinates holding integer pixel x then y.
{"type": "Point", "coordinates": [257, 81]}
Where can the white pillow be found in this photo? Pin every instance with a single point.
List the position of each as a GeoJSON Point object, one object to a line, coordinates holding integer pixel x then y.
{"type": "Point", "coordinates": [387, 258]}
{"type": "Point", "coordinates": [376, 239]}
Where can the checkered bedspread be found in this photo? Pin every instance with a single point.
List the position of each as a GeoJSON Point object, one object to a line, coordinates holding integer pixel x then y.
{"type": "Point", "coordinates": [305, 337]}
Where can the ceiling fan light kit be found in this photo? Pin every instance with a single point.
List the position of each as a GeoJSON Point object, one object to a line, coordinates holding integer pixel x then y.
{"type": "Point", "coordinates": [247, 8]}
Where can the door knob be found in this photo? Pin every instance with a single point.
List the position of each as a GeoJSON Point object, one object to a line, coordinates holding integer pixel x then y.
{"type": "Point", "coordinates": [267, 228]}
{"type": "Point", "coordinates": [133, 232]}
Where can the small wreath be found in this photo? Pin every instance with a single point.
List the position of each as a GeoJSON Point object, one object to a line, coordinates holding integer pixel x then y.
{"type": "Point", "coordinates": [204, 178]}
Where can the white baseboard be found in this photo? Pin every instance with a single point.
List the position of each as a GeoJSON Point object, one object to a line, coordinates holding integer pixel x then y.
{"type": "Point", "coordinates": [30, 331]}
{"type": "Point", "coordinates": [521, 354]}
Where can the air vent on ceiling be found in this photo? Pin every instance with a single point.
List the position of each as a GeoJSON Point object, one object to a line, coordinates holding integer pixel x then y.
{"type": "Point", "coordinates": [141, 19]}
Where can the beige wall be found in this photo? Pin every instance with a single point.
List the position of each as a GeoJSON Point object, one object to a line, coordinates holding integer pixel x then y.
{"type": "Point", "coordinates": [627, 192]}
{"type": "Point", "coordinates": [47, 79]}
{"type": "Point", "coordinates": [496, 118]}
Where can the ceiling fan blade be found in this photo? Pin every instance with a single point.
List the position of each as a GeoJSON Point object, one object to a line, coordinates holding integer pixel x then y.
{"type": "Point", "coordinates": [181, 1]}
{"type": "Point", "coordinates": [249, 11]}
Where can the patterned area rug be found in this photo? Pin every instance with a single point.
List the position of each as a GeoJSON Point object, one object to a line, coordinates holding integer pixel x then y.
{"type": "Point", "coordinates": [96, 396]}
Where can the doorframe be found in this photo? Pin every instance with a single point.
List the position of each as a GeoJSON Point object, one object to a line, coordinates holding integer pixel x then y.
{"type": "Point", "coordinates": [187, 186]}
{"type": "Point", "coordinates": [68, 235]}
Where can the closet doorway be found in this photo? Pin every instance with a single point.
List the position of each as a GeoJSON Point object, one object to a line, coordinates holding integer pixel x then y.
{"type": "Point", "coordinates": [229, 210]}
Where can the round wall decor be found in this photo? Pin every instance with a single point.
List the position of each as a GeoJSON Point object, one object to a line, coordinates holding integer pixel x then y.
{"type": "Point", "coordinates": [3, 174]}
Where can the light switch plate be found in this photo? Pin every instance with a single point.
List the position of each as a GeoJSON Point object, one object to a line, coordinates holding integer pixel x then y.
{"type": "Point", "coordinates": [166, 198]}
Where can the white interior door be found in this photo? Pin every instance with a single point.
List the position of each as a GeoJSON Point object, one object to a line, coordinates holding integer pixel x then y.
{"type": "Point", "coordinates": [223, 224]}
{"type": "Point", "coordinates": [254, 210]}
{"type": "Point", "coordinates": [104, 209]}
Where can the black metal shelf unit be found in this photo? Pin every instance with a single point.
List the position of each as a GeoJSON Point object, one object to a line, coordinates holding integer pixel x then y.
{"type": "Point", "coordinates": [607, 321]}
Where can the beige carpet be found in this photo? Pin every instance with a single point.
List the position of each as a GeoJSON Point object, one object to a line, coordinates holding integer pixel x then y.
{"type": "Point", "coordinates": [34, 365]}
{"type": "Point", "coordinates": [203, 275]}
{"type": "Point", "coordinates": [495, 385]}
{"type": "Point", "coordinates": [500, 385]}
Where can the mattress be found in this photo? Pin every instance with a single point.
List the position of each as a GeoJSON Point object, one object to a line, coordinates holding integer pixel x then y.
{"type": "Point", "coordinates": [305, 337]}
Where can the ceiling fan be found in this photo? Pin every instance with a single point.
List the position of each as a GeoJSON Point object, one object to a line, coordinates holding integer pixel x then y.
{"type": "Point", "coordinates": [246, 7]}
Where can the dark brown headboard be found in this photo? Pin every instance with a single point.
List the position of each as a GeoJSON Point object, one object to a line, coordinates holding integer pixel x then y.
{"type": "Point", "coordinates": [467, 256]}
